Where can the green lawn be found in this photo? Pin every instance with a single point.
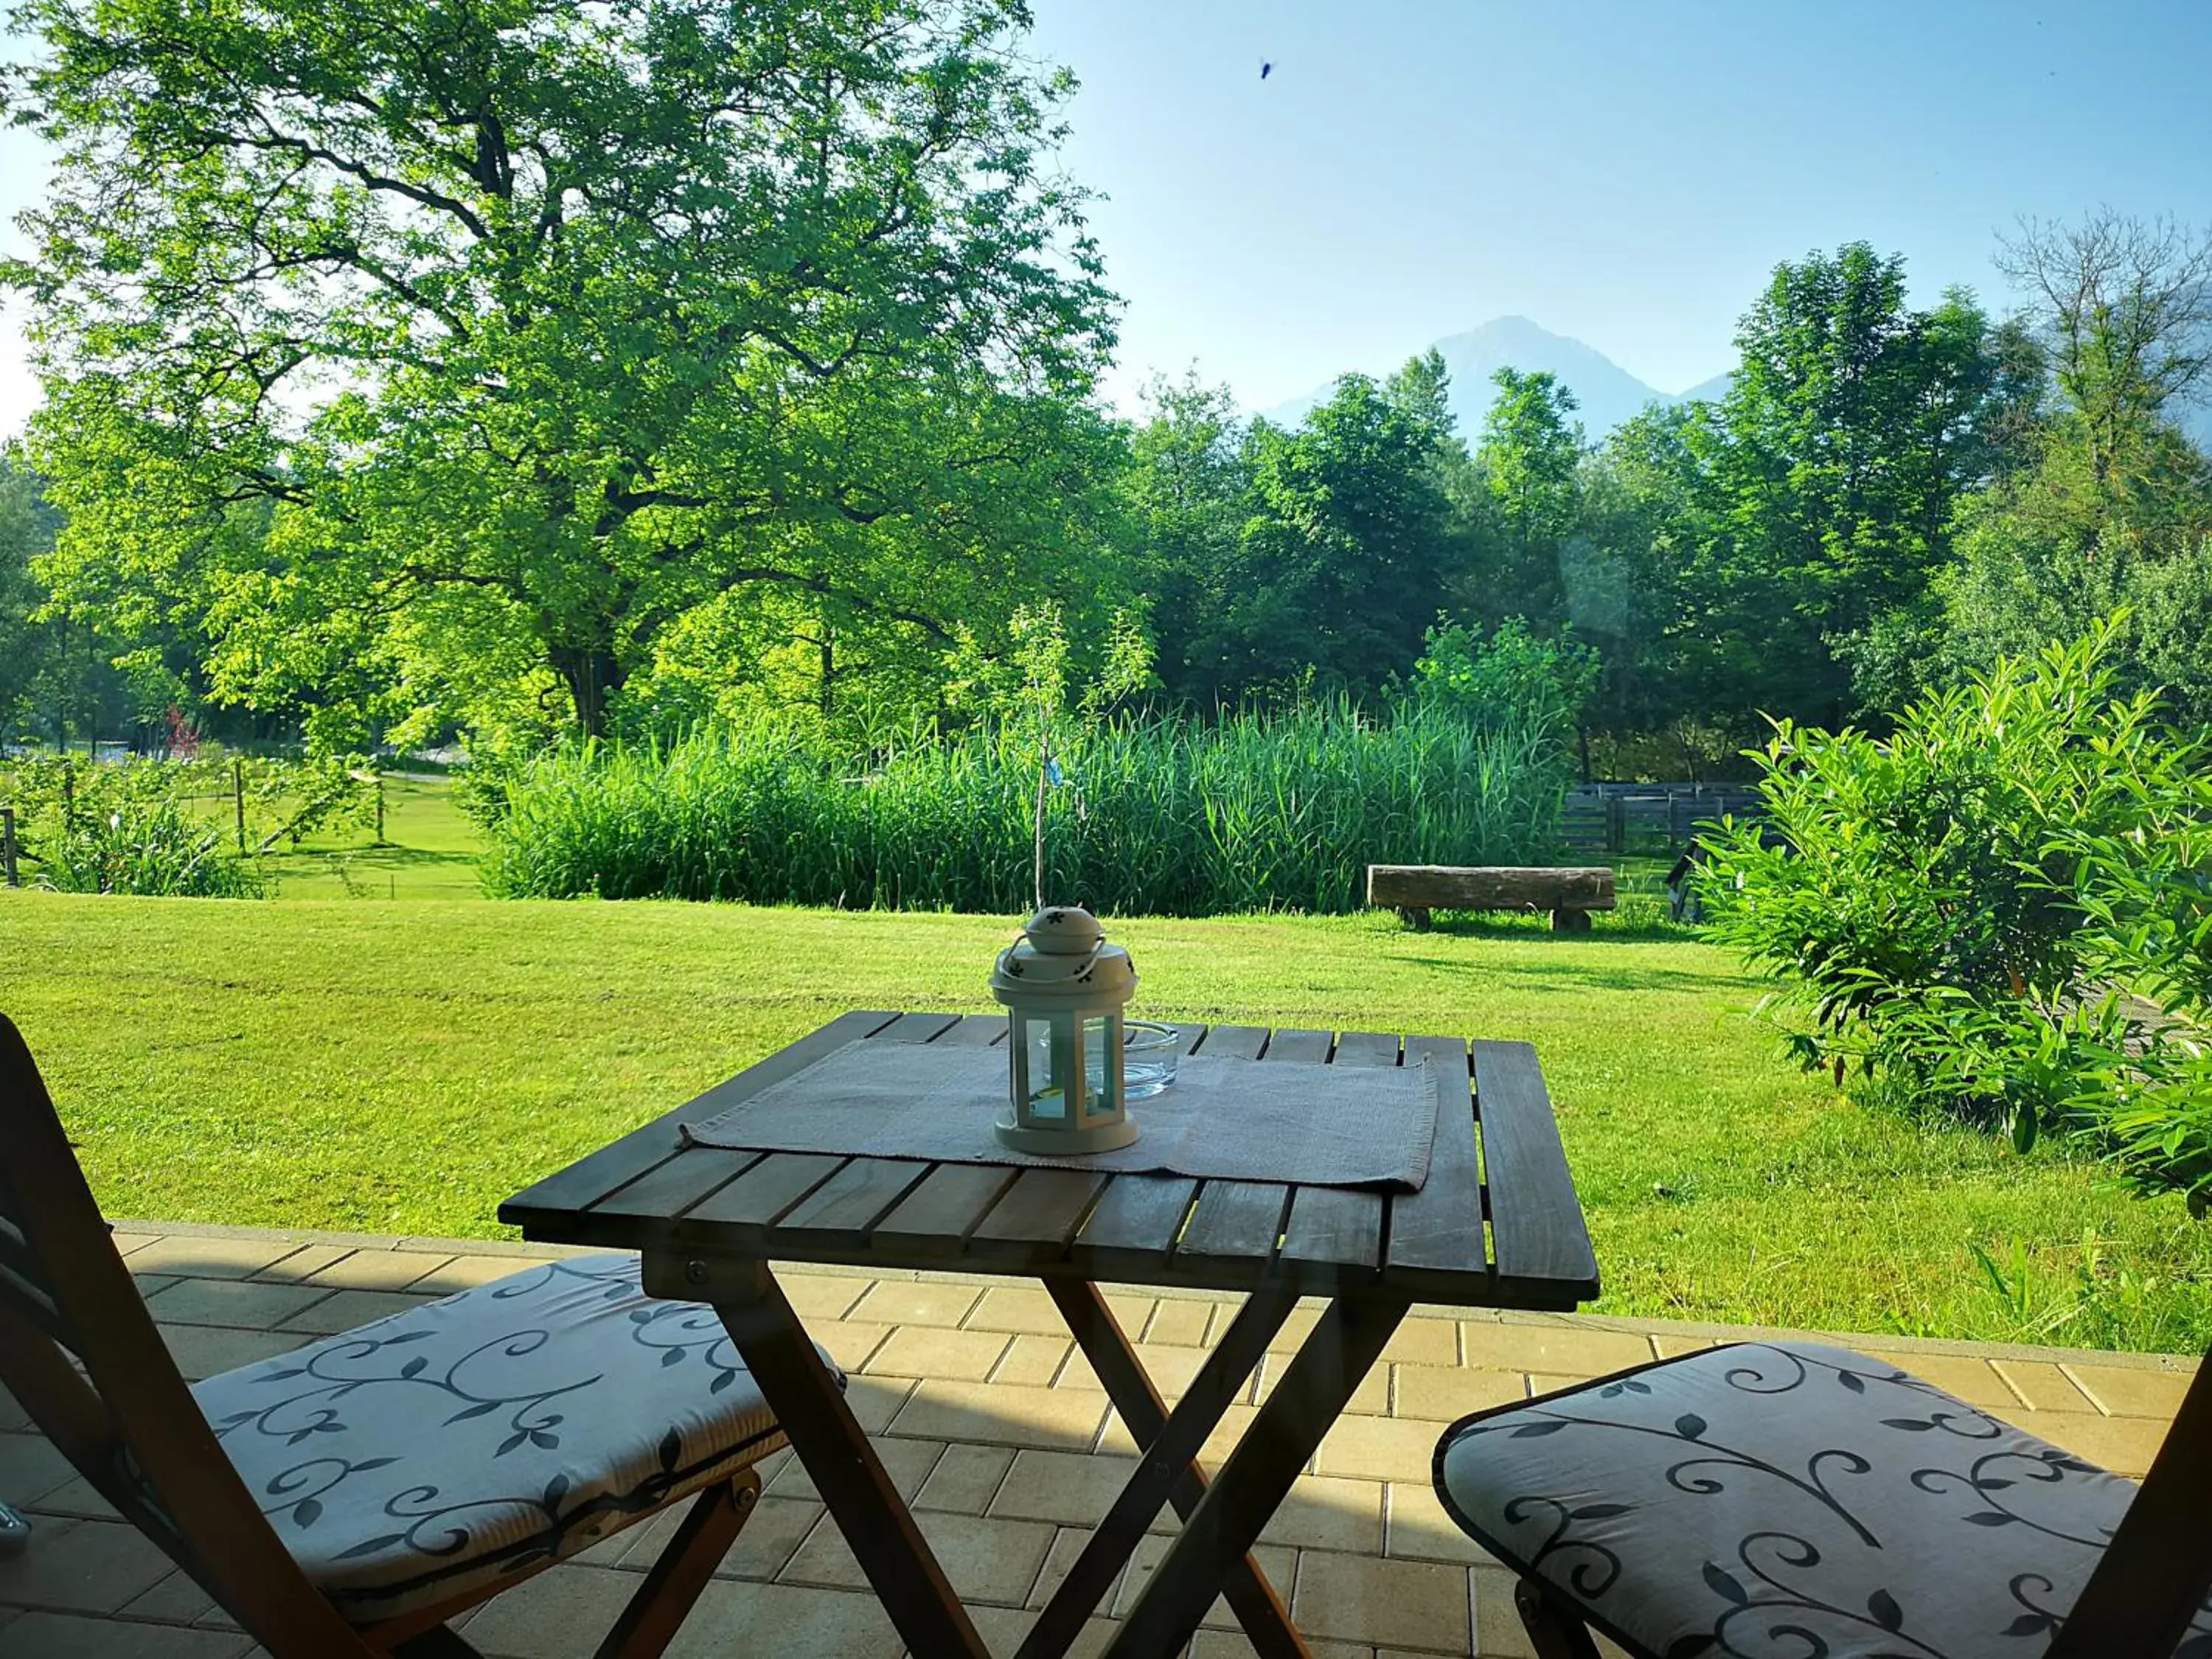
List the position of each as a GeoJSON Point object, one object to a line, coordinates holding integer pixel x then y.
{"type": "Point", "coordinates": [428, 851]}
{"type": "Point", "coordinates": [402, 1066]}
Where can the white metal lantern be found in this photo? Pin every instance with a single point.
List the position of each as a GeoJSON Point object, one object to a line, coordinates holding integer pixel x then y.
{"type": "Point", "coordinates": [1065, 988]}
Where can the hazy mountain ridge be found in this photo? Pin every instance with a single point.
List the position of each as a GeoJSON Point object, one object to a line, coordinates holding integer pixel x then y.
{"type": "Point", "coordinates": [1607, 393]}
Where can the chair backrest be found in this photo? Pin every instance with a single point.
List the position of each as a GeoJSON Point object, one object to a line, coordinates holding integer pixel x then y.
{"type": "Point", "coordinates": [128, 1423]}
{"type": "Point", "coordinates": [2157, 1571]}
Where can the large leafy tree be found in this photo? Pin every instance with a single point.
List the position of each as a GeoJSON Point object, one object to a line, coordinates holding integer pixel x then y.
{"type": "Point", "coordinates": [1814, 499]}
{"type": "Point", "coordinates": [1342, 566]}
{"type": "Point", "coordinates": [527, 330]}
{"type": "Point", "coordinates": [1526, 501]}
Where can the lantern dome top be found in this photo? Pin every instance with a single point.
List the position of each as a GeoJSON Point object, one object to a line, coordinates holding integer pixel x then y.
{"type": "Point", "coordinates": [1063, 953]}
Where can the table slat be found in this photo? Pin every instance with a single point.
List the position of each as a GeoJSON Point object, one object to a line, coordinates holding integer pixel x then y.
{"type": "Point", "coordinates": [974, 1031]}
{"type": "Point", "coordinates": [1438, 1230]}
{"type": "Point", "coordinates": [674, 1186]}
{"type": "Point", "coordinates": [1366, 1048]}
{"type": "Point", "coordinates": [937, 1217]}
{"type": "Point", "coordinates": [548, 1203]}
{"type": "Point", "coordinates": [1234, 1041]}
{"type": "Point", "coordinates": [741, 1213]}
{"type": "Point", "coordinates": [844, 1209]}
{"type": "Point", "coordinates": [1340, 1226]}
{"type": "Point", "coordinates": [1038, 1215]}
{"type": "Point", "coordinates": [1190, 1035]}
{"type": "Point", "coordinates": [916, 1028]}
{"type": "Point", "coordinates": [1134, 1226]}
{"type": "Point", "coordinates": [1311, 1047]}
{"type": "Point", "coordinates": [1535, 1223]}
{"type": "Point", "coordinates": [1236, 1221]}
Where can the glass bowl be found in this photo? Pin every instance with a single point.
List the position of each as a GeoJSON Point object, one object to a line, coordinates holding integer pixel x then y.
{"type": "Point", "coordinates": [1148, 1057]}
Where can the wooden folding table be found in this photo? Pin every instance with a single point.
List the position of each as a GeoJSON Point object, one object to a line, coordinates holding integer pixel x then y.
{"type": "Point", "coordinates": [1495, 1224]}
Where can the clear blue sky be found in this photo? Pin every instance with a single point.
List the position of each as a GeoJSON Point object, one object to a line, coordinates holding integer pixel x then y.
{"type": "Point", "coordinates": [1623, 173]}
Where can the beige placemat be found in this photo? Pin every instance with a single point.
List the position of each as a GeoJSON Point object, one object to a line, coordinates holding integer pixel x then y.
{"type": "Point", "coordinates": [1231, 1120]}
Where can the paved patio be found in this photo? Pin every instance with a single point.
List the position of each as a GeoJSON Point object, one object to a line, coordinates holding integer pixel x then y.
{"type": "Point", "coordinates": [999, 1434]}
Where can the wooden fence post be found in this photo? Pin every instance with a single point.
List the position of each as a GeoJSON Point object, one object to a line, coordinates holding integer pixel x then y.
{"type": "Point", "coordinates": [8, 845]}
{"type": "Point", "coordinates": [238, 799]}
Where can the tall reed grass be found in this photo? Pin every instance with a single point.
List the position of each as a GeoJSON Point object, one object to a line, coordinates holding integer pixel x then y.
{"type": "Point", "coordinates": [1165, 815]}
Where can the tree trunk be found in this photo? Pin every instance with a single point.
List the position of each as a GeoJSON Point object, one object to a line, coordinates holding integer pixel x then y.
{"type": "Point", "coordinates": [593, 675]}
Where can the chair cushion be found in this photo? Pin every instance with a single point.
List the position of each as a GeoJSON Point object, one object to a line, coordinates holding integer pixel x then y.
{"type": "Point", "coordinates": [1787, 1500]}
{"type": "Point", "coordinates": [457, 1444]}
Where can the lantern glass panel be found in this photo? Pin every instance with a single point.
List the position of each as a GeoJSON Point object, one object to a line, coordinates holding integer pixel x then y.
{"type": "Point", "coordinates": [1102, 1038]}
{"type": "Point", "coordinates": [1048, 1040]}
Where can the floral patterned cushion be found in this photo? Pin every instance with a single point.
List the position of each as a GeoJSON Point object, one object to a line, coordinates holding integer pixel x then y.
{"type": "Point", "coordinates": [1786, 1500]}
{"type": "Point", "coordinates": [461, 1442]}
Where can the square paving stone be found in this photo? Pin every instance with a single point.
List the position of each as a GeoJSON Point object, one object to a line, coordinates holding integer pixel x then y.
{"type": "Point", "coordinates": [2126, 1392]}
{"type": "Point", "coordinates": [821, 1296]}
{"type": "Point", "coordinates": [1971, 1379]}
{"type": "Point", "coordinates": [1072, 1489]}
{"type": "Point", "coordinates": [1015, 1309]}
{"type": "Point", "coordinates": [378, 1270]}
{"type": "Point", "coordinates": [30, 1468]}
{"type": "Point", "coordinates": [1445, 1394]}
{"type": "Point", "coordinates": [83, 1566]}
{"type": "Point", "coordinates": [984, 1559]}
{"type": "Point", "coordinates": [955, 1356]}
{"type": "Point", "coordinates": [209, 1258]}
{"type": "Point", "coordinates": [1571, 1350]}
{"type": "Point", "coordinates": [907, 1461]}
{"type": "Point", "coordinates": [1279, 1565]}
{"type": "Point", "coordinates": [965, 1478]}
{"type": "Point", "coordinates": [896, 1302]}
{"type": "Point", "coordinates": [205, 1350]}
{"type": "Point", "coordinates": [58, 1636]}
{"type": "Point", "coordinates": [243, 1303]}
{"type": "Point", "coordinates": [2045, 1387]}
{"type": "Point", "coordinates": [1324, 1512]}
{"type": "Point", "coordinates": [1358, 1598]}
{"type": "Point", "coordinates": [1419, 1530]}
{"type": "Point", "coordinates": [1180, 1322]}
{"type": "Point", "coordinates": [345, 1311]}
{"type": "Point", "coordinates": [1378, 1448]}
{"type": "Point", "coordinates": [848, 1341]}
{"type": "Point", "coordinates": [1372, 1395]}
{"type": "Point", "coordinates": [1000, 1414]}
{"type": "Point", "coordinates": [1034, 1362]}
{"type": "Point", "coordinates": [466, 1272]}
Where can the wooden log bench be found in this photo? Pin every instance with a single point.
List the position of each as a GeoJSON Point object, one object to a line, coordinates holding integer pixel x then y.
{"type": "Point", "coordinates": [1415, 890]}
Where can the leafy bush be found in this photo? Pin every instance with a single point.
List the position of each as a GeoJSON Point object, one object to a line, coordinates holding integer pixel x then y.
{"type": "Point", "coordinates": [1916, 895]}
{"type": "Point", "coordinates": [1163, 815]}
{"type": "Point", "coordinates": [2146, 893]}
{"type": "Point", "coordinates": [1512, 680]}
{"type": "Point", "coordinates": [150, 849]}
{"type": "Point", "coordinates": [173, 826]}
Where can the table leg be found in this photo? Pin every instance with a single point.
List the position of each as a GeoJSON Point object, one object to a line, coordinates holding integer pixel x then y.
{"type": "Point", "coordinates": [1259, 1474]}
{"type": "Point", "coordinates": [835, 1450]}
{"type": "Point", "coordinates": [1168, 1471]}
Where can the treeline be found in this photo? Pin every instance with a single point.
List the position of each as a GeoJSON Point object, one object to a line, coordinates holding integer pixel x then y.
{"type": "Point", "coordinates": [592, 411]}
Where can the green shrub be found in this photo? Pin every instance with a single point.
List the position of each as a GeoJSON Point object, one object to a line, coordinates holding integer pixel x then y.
{"type": "Point", "coordinates": [1915, 895]}
{"type": "Point", "coordinates": [1160, 816]}
{"type": "Point", "coordinates": [150, 849]}
{"type": "Point", "coordinates": [2147, 894]}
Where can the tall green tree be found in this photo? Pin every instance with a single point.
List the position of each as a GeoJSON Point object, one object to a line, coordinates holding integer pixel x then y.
{"type": "Point", "coordinates": [534, 328]}
{"type": "Point", "coordinates": [1342, 565]}
{"type": "Point", "coordinates": [1189, 492]}
{"type": "Point", "coordinates": [1526, 503]}
{"type": "Point", "coordinates": [1815, 500]}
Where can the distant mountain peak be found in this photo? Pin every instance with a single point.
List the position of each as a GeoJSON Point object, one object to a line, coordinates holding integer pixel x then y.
{"type": "Point", "coordinates": [1606, 394]}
